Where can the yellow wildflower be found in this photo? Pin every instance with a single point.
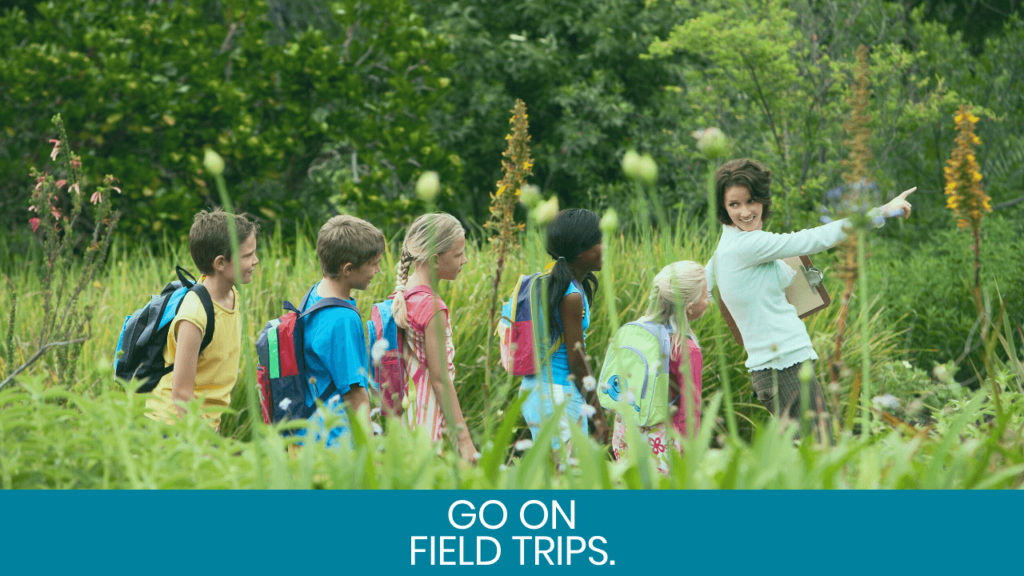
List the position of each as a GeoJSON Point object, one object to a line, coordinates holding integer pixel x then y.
{"type": "Point", "coordinates": [962, 173]}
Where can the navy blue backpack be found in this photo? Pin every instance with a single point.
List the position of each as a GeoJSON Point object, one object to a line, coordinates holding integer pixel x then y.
{"type": "Point", "coordinates": [139, 355]}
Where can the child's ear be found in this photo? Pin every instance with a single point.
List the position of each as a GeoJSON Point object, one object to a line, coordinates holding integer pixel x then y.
{"type": "Point", "coordinates": [347, 269]}
{"type": "Point", "coordinates": [221, 263]}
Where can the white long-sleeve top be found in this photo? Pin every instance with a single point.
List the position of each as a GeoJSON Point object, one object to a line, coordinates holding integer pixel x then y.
{"type": "Point", "coordinates": [752, 279]}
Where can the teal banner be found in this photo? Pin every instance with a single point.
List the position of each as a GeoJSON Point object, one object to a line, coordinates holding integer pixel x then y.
{"type": "Point", "coordinates": [518, 532]}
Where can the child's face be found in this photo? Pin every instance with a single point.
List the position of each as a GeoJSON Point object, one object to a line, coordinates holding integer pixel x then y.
{"type": "Point", "coordinates": [360, 278]}
{"type": "Point", "coordinates": [451, 262]}
{"type": "Point", "coordinates": [697, 309]}
{"type": "Point", "coordinates": [593, 257]}
{"type": "Point", "coordinates": [247, 262]}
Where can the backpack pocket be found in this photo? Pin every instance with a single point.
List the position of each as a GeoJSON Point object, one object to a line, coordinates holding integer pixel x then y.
{"type": "Point", "coordinates": [291, 392]}
{"type": "Point", "coordinates": [391, 392]}
{"type": "Point", "coordinates": [266, 399]}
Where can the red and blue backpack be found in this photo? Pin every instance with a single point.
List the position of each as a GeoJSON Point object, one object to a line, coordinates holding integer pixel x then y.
{"type": "Point", "coordinates": [388, 376]}
{"type": "Point", "coordinates": [517, 332]}
{"type": "Point", "coordinates": [281, 368]}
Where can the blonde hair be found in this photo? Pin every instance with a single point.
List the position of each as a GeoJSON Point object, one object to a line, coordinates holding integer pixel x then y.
{"type": "Point", "coordinates": [345, 239]}
{"type": "Point", "coordinates": [679, 283]}
{"type": "Point", "coordinates": [429, 235]}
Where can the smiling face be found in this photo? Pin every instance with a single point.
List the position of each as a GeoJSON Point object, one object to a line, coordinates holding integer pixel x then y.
{"type": "Point", "coordinates": [360, 278]}
{"type": "Point", "coordinates": [247, 262]}
{"type": "Point", "coordinates": [451, 262]}
{"type": "Point", "coordinates": [744, 212]}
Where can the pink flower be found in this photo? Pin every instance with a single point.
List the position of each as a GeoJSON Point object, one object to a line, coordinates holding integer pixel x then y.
{"type": "Point", "coordinates": [32, 209]}
{"type": "Point", "coordinates": [55, 212]}
{"type": "Point", "coordinates": [35, 224]}
{"type": "Point", "coordinates": [56, 149]}
{"type": "Point", "coordinates": [116, 188]}
{"type": "Point", "coordinates": [96, 198]}
{"type": "Point", "coordinates": [61, 183]}
{"type": "Point", "coordinates": [76, 163]}
{"type": "Point", "coordinates": [75, 188]}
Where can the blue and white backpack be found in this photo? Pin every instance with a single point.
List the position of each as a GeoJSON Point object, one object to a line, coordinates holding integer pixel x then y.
{"type": "Point", "coordinates": [139, 355]}
{"type": "Point", "coordinates": [635, 377]}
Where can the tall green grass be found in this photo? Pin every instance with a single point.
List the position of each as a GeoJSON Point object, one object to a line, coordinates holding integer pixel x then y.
{"type": "Point", "coordinates": [93, 435]}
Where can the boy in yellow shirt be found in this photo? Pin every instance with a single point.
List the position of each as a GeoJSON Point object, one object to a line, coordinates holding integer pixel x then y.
{"type": "Point", "coordinates": [212, 374]}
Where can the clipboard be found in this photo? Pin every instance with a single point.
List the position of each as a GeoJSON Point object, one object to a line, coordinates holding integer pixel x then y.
{"type": "Point", "coordinates": [807, 299]}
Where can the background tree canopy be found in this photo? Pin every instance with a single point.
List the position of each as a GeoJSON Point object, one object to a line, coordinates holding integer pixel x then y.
{"type": "Point", "coordinates": [322, 107]}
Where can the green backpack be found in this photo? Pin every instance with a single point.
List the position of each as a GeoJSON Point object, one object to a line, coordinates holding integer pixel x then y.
{"type": "Point", "coordinates": [635, 376]}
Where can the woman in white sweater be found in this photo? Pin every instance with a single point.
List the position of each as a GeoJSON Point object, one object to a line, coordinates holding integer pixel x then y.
{"type": "Point", "coordinates": [751, 277]}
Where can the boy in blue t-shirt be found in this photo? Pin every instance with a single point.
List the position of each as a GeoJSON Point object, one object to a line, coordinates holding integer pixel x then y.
{"type": "Point", "coordinates": [349, 250]}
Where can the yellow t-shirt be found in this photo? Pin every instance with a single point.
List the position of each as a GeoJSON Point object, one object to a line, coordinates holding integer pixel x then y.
{"type": "Point", "coordinates": [217, 370]}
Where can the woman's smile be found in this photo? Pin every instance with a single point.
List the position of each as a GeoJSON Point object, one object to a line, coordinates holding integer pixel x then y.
{"type": "Point", "coordinates": [744, 212]}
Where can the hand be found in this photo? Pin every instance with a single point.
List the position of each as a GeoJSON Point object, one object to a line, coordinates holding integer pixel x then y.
{"type": "Point", "coordinates": [898, 206]}
{"type": "Point", "coordinates": [466, 448]}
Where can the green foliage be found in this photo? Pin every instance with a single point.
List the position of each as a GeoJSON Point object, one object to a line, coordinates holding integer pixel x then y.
{"type": "Point", "coordinates": [576, 64]}
{"type": "Point", "coordinates": [928, 290]}
{"type": "Point", "coordinates": [309, 123]}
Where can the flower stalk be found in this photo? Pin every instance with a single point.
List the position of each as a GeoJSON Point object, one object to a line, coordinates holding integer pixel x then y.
{"type": "Point", "coordinates": [517, 165]}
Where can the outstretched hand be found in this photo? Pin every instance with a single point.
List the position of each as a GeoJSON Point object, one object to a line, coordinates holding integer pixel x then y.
{"type": "Point", "coordinates": [898, 206]}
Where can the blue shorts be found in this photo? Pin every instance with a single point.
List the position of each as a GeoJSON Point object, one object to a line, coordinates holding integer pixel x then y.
{"type": "Point", "coordinates": [539, 406]}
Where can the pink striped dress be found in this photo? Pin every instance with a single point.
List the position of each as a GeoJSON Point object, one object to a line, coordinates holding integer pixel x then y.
{"type": "Point", "coordinates": [425, 408]}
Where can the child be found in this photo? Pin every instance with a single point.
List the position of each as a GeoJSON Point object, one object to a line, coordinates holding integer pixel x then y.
{"type": "Point", "coordinates": [349, 250]}
{"type": "Point", "coordinates": [212, 374]}
{"type": "Point", "coordinates": [574, 240]}
{"type": "Point", "coordinates": [680, 284]}
{"type": "Point", "coordinates": [433, 242]}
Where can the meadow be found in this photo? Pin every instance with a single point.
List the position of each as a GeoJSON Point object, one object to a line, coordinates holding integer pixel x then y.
{"type": "Point", "coordinates": [91, 432]}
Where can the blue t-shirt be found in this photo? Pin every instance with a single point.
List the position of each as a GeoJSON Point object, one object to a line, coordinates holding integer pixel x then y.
{"type": "Point", "coordinates": [335, 349]}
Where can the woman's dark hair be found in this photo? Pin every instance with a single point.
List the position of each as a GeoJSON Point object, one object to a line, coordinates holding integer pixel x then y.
{"type": "Point", "coordinates": [744, 172]}
{"type": "Point", "coordinates": [572, 233]}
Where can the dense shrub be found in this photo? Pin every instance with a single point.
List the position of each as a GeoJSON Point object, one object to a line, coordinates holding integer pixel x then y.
{"type": "Point", "coordinates": [311, 122]}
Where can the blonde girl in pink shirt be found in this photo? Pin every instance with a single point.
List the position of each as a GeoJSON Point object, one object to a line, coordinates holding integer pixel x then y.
{"type": "Point", "coordinates": [433, 242]}
{"type": "Point", "coordinates": [679, 284]}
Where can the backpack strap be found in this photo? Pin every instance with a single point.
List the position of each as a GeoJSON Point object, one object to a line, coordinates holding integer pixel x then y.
{"type": "Point", "coordinates": [298, 332]}
{"type": "Point", "coordinates": [189, 281]}
{"type": "Point", "coordinates": [664, 336]}
{"type": "Point", "coordinates": [211, 320]}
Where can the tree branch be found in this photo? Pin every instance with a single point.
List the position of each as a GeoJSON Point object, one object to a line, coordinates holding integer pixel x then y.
{"type": "Point", "coordinates": [42, 350]}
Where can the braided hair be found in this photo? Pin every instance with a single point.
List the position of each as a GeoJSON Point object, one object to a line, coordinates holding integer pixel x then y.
{"type": "Point", "coordinates": [429, 235]}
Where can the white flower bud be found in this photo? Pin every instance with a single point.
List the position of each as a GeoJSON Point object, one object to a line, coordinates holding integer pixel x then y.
{"type": "Point", "coordinates": [213, 163]}
{"type": "Point", "coordinates": [886, 402]}
{"type": "Point", "coordinates": [712, 142]}
{"type": "Point", "coordinates": [610, 221]}
{"type": "Point", "coordinates": [524, 445]}
{"type": "Point", "coordinates": [546, 211]}
{"type": "Point", "coordinates": [588, 410]}
{"type": "Point", "coordinates": [378, 350]}
{"type": "Point", "coordinates": [648, 169]}
{"type": "Point", "coordinates": [428, 186]}
{"type": "Point", "coordinates": [530, 196]}
{"type": "Point", "coordinates": [631, 165]}
{"type": "Point", "coordinates": [589, 383]}
{"type": "Point", "coordinates": [806, 372]}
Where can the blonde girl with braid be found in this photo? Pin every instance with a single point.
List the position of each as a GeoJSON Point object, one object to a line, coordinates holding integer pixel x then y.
{"type": "Point", "coordinates": [434, 243]}
{"type": "Point", "coordinates": [680, 291]}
